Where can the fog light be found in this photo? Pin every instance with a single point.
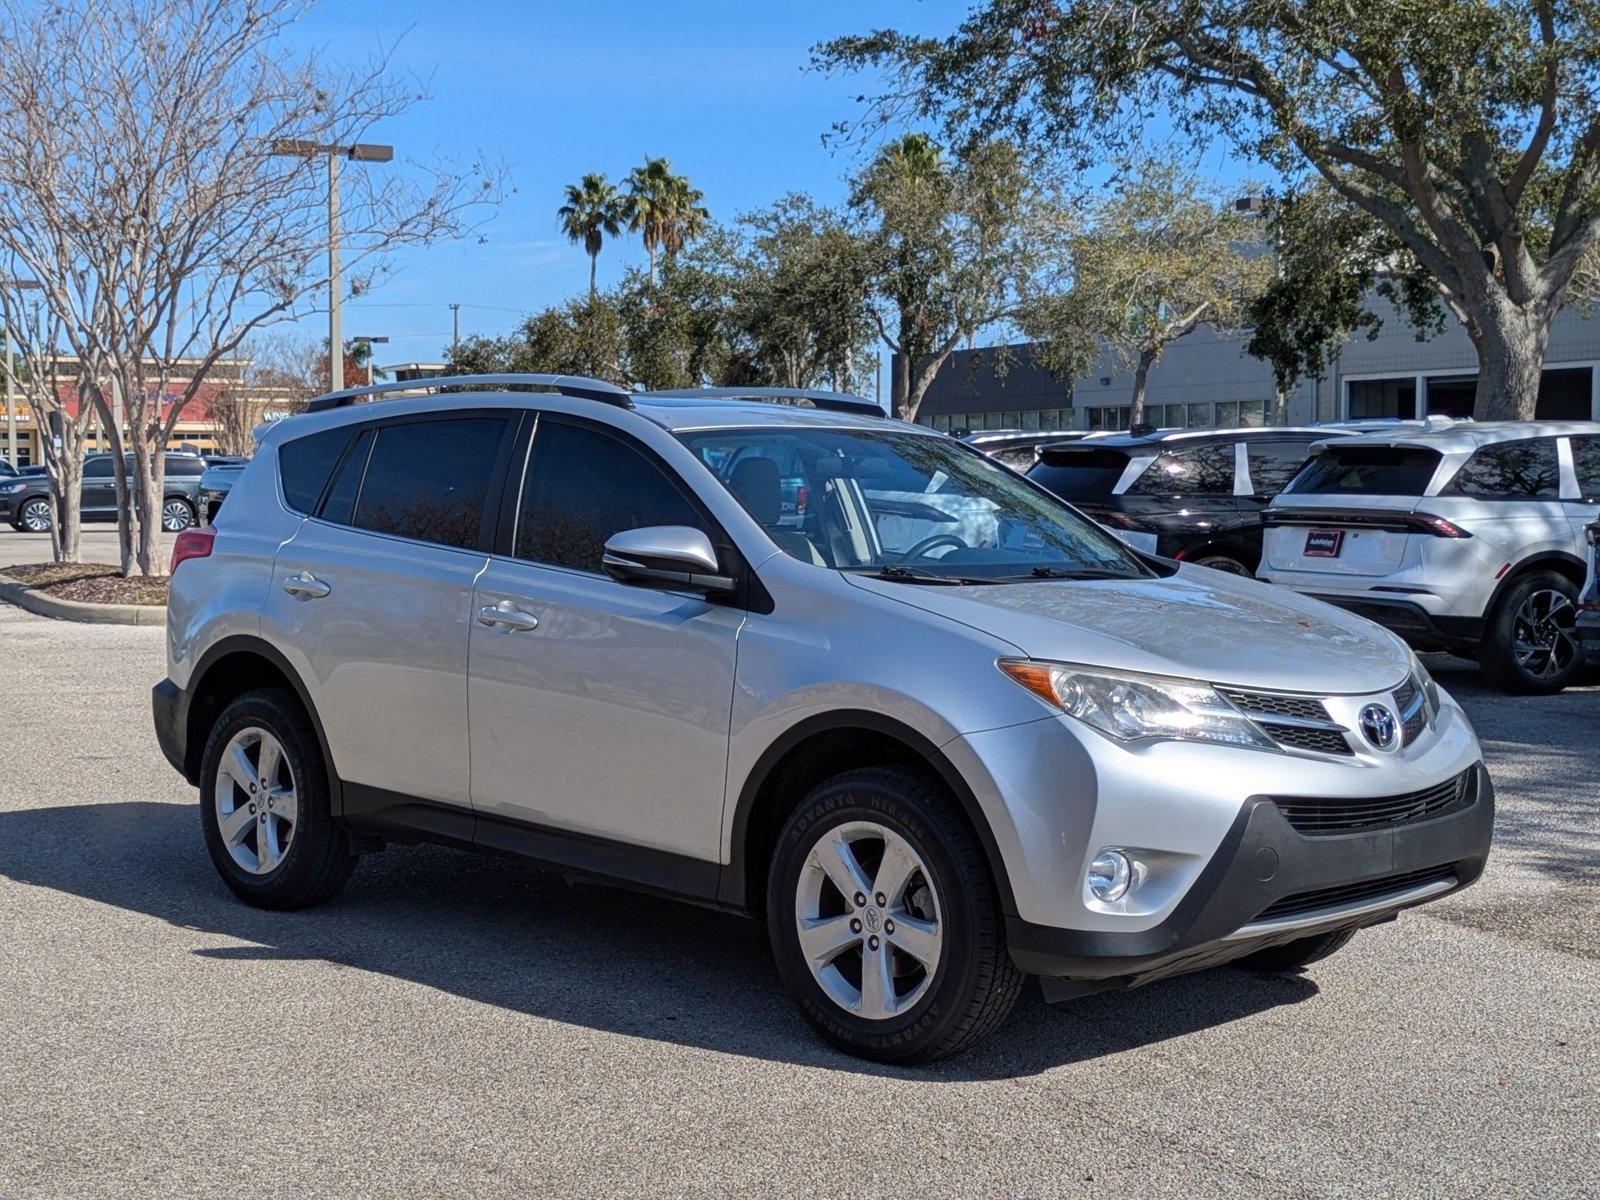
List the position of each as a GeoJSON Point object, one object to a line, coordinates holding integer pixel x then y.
{"type": "Point", "coordinates": [1109, 876]}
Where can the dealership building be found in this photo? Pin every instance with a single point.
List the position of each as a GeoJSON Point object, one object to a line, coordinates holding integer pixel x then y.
{"type": "Point", "coordinates": [1207, 380]}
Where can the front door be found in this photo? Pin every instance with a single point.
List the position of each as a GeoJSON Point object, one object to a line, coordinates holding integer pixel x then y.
{"type": "Point", "coordinates": [598, 708]}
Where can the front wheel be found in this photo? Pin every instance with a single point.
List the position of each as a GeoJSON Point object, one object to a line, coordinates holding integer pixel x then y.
{"type": "Point", "coordinates": [36, 516]}
{"type": "Point", "coordinates": [885, 922]}
{"type": "Point", "coordinates": [1531, 644]}
{"type": "Point", "coordinates": [264, 804]}
{"type": "Point", "coordinates": [1222, 562]}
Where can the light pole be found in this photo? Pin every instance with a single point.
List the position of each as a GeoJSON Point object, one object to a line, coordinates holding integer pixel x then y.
{"type": "Point", "coordinates": [369, 343]}
{"type": "Point", "coordinates": [360, 152]}
{"type": "Point", "coordinates": [455, 329]}
{"type": "Point", "coordinates": [21, 285]}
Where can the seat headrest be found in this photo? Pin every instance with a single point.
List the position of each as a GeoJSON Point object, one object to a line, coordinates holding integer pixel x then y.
{"type": "Point", "coordinates": [755, 482]}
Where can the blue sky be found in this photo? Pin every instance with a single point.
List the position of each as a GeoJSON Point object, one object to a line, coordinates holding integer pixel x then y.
{"type": "Point", "coordinates": [558, 89]}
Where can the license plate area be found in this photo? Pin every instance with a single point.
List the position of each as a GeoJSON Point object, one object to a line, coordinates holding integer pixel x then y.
{"type": "Point", "coordinates": [1324, 543]}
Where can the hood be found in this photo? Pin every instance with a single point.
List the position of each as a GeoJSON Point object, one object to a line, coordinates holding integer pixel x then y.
{"type": "Point", "coordinates": [1198, 624]}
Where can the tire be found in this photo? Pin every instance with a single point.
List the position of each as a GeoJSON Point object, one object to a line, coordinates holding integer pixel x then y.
{"type": "Point", "coordinates": [1292, 956]}
{"type": "Point", "coordinates": [973, 983]}
{"type": "Point", "coordinates": [307, 860]}
{"type": "Point", "coordinates": [1223, 562]}
{"type": "Point", "coordinates": [177, 514]}
{"type": "Point", "coordinates": [36, 516]}
{"type": "Point", "coordinates": [1538, 610]}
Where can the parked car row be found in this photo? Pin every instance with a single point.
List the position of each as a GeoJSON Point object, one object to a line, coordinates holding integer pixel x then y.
{"type": "Point", "coordinates": [1460, 536]}
{"type": "Point", "coordinates": [27, 501]}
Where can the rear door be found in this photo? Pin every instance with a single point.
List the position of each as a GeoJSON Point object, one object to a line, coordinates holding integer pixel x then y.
{"type": "Point", "coordinates": [99, 495]}
{"type": "Point", "coordinates": [604, 710]}
{"type": "Point", "coordinates": [373, 598]}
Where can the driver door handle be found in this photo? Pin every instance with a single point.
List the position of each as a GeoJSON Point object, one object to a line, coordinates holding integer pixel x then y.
{"type": "Point", "coordinates": [509, 615]}
{"type": "Point", "coordinates": [304, 583]}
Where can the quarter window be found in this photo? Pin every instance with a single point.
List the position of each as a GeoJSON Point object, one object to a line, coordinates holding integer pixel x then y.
{"type": "Point", "coordinates": [582, 487]}
{"type": "Point", "coordinates": [305, 463]}
{"type": "Point", "coordinates": [1201, 471]}
{"type": "Point", "coordinates": [1519, 470]}
{"type": "Point", "coordinates": [429, 480]}
{"type": "Point", "coordinates": [1586, 463]}
{"type": "Point", "coordinates": [1273, 464]}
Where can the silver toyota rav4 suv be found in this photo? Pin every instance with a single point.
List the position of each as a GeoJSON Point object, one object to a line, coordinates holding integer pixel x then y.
{"type": "Point", "coordinates": [771, 653]}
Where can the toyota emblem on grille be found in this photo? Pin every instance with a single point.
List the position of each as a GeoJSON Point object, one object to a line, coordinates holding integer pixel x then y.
{"type": "Point", "coordinates": [1378, 726]}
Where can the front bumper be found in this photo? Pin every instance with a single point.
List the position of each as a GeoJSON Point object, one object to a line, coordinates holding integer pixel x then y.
{"type": "Point", "coordinates": [1264, 863]}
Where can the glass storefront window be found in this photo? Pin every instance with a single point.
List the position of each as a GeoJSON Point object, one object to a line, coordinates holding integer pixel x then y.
{"type": "Point", "coordinates": [1227, 413]}
{"type": "Point", "coordinates": [1199, 416]}
{"type": "Point", "coordinates": [1252, 412]}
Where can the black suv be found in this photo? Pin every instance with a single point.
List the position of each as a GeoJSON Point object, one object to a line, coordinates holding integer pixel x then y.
{"type": "Point", "coordinates": [1195, 496]}
{"type": "Point", "coordinates": [27, 502]}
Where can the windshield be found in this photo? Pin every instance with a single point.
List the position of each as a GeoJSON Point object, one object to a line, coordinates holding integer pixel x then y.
{"type": "Point", "coordinates": [910, 506]}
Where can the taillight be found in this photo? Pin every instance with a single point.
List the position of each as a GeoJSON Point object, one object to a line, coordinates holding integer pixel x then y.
{"type": "Point", "coordinates": [191, 543]}
{"type": "Point", "coordinates": [1439, 527]}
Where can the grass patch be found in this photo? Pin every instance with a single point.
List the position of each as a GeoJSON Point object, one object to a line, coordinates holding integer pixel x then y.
{"type": "Point", "coordinates": [88, 583]}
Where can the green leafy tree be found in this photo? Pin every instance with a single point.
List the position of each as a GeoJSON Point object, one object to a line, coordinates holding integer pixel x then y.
{"type": "Point", "coordinates": [955, 238]}
{"type": "Point", "coordinates": [1468, 131]}
{"type": "Point", "coordinates": [1332, 260]}
{"type": "Point", "coordinates": [580, 337]}
{"type": "Point", "coordinates": [593, 212]}
{"type": "Point", "coordinates": [1162, 256]}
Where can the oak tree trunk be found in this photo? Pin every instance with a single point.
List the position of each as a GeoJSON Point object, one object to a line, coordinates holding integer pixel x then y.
{"type": "Point", "coordinates": [1141, 376]}
{"type": "Point", "coordinates": [1511, 341]}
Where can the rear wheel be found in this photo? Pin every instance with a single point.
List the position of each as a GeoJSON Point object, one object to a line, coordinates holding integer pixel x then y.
{"type": "Point", "coordinates": [1531, 644]}
{"type": "Point", "coordinates": [884, 921]}
{"type": "Point", "coordinates": [264, 804]}
{"type": "Point", "coordinates": [1222, 562]}
{"type": "Point", "coordinates": [177, 514]}
{"type": "Point", "coordinates": [1302, 952]}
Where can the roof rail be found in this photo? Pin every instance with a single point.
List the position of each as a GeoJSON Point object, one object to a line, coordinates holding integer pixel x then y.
{"type": "Point", "coordinates": [831, 401]}
{"type": "Point", "coordinates": [568, 385]}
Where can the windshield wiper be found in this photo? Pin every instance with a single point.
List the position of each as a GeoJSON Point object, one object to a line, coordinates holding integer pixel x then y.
{"type": "Point", "coordinates": [896, 573]}
{"type": "Point", "coordinates": [1043, 572]}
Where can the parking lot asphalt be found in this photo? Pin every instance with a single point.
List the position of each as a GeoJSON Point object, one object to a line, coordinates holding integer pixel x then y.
{"type": "Point", "coordinates": [453, 1024]}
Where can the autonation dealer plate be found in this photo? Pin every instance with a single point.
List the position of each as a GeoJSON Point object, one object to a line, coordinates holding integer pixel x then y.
{"type": "Point", "coordinates": [1324, 543]}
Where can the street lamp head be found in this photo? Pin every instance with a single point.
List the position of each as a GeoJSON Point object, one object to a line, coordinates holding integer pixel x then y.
{"type": "Point", "coordinates": [360, 152]}
{"type": "Point", "coordinates": [371, 341]}
{"type": "Point", "coordinates": [370, 152]}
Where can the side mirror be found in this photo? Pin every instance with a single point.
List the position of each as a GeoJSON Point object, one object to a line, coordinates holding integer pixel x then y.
{"type": "Point", "coordinates": [666, 557]}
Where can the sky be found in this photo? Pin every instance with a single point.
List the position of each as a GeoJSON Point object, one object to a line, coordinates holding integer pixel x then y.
{"type": "Point", "coordinates": [720, 87]}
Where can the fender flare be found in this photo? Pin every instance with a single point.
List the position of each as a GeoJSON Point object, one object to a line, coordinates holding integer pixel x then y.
{"type": "Point", "coordinates": [731, 888]}
{"type": "Point", "coordinates": [1545, 558]}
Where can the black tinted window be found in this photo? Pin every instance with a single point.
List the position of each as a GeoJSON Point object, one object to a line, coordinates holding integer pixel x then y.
{"type": "Point", "coordinates": [582, 487]}
{"type": "Point", "coordinates": [1586, 461]}
{"type": "Point", "coordinates": [429, 480]}
{"type": "Point", "coordinates": [305, 464]}
{"type": "Point", "coordinates": [1079, 473]}
{"type": "Point", "coordinates": [1510, 470]}
{"type": "Point", "coordinates": [1273, 464]}
{"type": "Point", "coordinates": [1203, 471]}
{"type": "Point", "coordinates": [180, 465]}
{"type": "Point", "coordinates": [341, 502]}
{"type": "Point", "coordinates": [1366, 471]}
{"type": "Point", "coordinates": [97, 468]}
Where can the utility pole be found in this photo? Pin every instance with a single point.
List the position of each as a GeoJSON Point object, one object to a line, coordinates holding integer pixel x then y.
{"type": "Point", "coordinates": [360, 152]}
{"type": "Point", "coordinates": [455, 329]}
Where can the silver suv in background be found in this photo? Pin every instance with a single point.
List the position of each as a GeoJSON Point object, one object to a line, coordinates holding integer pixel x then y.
{"type": "Point", "coordinates": [931, 726]}
{"type": "Point", "coordinates": [1466, 537]}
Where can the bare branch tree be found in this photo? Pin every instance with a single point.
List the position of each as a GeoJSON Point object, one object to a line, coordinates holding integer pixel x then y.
{"type": "Point", "coordinates": [140, 186]}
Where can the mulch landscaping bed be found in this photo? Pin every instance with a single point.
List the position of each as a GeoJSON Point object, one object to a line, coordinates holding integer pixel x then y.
{"type": "Point", "coordinates": [88, 583]}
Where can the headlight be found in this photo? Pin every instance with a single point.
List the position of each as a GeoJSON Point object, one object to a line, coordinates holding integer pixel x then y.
{"type": "Point", "coordinates": [1430, 689]}
{"type": "Point", "coordinates": [1128, 707]}
{"type": "Point", "coordinates": [11, 489]}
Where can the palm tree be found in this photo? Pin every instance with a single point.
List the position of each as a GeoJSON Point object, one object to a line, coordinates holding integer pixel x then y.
{"type": "Point", "coordinates": [593, 212]}
{"type": "Point", "coordinates": [665, 209]}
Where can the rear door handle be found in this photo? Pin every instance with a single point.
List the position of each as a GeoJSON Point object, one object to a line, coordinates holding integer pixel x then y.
{"type": "Point", "coordinates": [507, 614]}
{"type": "Point", "coordinates": [304, 583]}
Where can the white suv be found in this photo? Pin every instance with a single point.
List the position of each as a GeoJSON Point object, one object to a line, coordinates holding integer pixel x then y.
{"type": "Point", "coordinates": [1468, 538]}
{"type": "Point", "coordinates": [931, 726]}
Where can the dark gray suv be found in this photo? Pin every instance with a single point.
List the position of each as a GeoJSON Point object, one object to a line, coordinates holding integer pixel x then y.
{"type": "Point", "coordinates": [28, 503]}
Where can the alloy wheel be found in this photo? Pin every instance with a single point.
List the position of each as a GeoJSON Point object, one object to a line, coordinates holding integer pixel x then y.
{"type": "Point", "coordinates": [868, 920]}
{"type": "Point", "coordinates": [175, 517]}
{"type": "Point", "coordinates": [1543, 637]}
{"type": "Point", "coordinates": [256, 800]}
{"type": "Point", "coordinates": [36, 516]}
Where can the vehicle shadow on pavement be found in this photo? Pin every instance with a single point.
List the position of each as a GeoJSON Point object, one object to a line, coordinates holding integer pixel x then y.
{"type": "Point", "coordinates": [505, 934]}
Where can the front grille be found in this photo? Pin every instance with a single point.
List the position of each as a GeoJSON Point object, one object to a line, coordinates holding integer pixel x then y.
{"type": "Point", "coordinates": [1276, 704]}
{"type": "Point", "coordinates": [1325, 737]}
{"type": "Point", "coordinates": [1413, 711]}
{"type": "Point", "coordinates": [1308, 902]}
{"type": "Point", "coordinates": [1322, 817]}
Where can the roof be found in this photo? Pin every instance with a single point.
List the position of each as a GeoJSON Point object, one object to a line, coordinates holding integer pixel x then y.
{"type": "Point", "coordinates": [1463, 437]}
{"type": "Point", "coordinates": [1165, 438]}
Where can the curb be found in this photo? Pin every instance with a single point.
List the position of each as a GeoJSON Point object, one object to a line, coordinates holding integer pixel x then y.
{"type": "Point", "coordinates": [27, 597]}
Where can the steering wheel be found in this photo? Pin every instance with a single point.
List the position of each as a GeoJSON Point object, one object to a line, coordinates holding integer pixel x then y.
{"type": "Point", "coordinates": [921, 549]}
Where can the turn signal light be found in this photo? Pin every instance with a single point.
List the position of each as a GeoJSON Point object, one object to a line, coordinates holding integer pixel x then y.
{"type": "Point", "coordinates": [191, 543]}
